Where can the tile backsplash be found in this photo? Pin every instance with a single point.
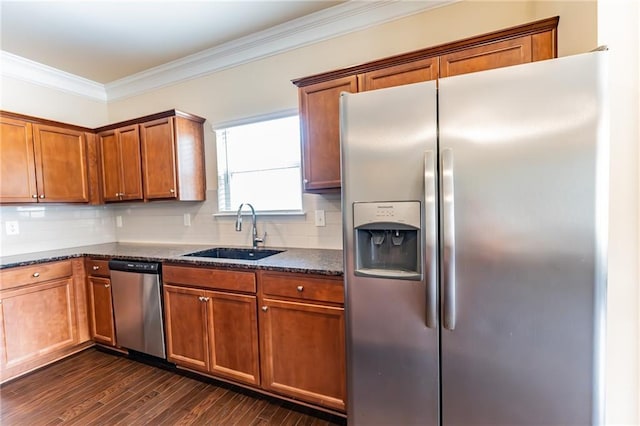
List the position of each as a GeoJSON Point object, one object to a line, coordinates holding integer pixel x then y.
{"type": "Point", "coordinates": [165, 222]}
{"type": "Point", "coordinates": [46, 227]}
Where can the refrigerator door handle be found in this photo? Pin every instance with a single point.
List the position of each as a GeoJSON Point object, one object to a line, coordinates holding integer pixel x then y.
{"type": "Point", "coordinates": [431, 238]}
{"type": "Point", "coordinates": [449, 242]}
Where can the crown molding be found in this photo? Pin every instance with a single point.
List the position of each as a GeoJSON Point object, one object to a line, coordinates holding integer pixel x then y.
{"type": "Point", "coordinates": [20, 68]}
{"type": "Point", "coordinates": [342, 19]}
{"type": "Point", "coordinates": [333, 22]}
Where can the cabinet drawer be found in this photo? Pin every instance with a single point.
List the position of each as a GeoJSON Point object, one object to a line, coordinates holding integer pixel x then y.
{"type": "Point", "coordinates": [210, 278]}
{"type": "Point", "coordinates": [303, 287]}
{"type": "Point", "coordinates": [16, 277]}
{"type": "Point", "coordinates": [99, 268]}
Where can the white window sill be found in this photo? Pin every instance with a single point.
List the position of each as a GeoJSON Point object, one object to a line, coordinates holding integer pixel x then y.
{"type": "Point", "coordinates": [263, 213]}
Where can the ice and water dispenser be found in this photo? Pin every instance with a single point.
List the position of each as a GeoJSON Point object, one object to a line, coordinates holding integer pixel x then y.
{"type": "Point", "coordinates": [387, 239]}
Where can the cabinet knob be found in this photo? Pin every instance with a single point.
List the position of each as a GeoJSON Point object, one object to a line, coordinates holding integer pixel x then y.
{"type": "Point", "coordinates": [34, 196]}
{"type": "Point", "coordinates": [172, 191]}
{"type": "Point", "coordinates": [36, 274]}
{"type": "Point", "coordinates": [41, 196]}
{"type": "Point", "coordinates": [206, 299]}
{"type": "Point", "coordinates": [265, 308]}
{"type": "Point", "coordinates": [95, 268]}
{"type": "Point", "coordinates": [200, 298]}
{"type": "Point", "coordinates": [299, 288]}
{"type": "Point", "coordinates": [305, 180]}
{"type": "Point", "coordinates": [107, 285]}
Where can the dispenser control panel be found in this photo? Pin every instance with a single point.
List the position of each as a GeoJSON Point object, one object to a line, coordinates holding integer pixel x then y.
{"type": "Point", "coordinates": [401, 212]}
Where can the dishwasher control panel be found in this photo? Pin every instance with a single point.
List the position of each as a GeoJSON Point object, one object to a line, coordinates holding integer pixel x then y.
{"type": "Point", "coordinates": [134, 266]}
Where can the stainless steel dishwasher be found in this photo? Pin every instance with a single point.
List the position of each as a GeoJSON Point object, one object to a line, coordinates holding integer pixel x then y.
{"type": "Point", "coordinates": [137, 306]}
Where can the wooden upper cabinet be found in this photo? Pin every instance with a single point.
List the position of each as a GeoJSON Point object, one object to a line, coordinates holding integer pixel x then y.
{"type": "Point", "coordinates": [121, 164]}
{"type": "Point", "coordinates": [495, 55]}
{"type": "Point", "coordinates": [61, 164]}
{"type": "Point", "coordinates": [42, 163]}
{"type": "Point", "coordinates": [399, 75]}
{"type": "Point", "coordinates": [17, 166]}
{"type": "Point", "coordinates": [159, 159]}
{"type": "Point", "coordinates": [320, 127]}
{"type": "Point", "coordinates": [173, 158]}
{"type": "Point", "coordinates": [319, 94]}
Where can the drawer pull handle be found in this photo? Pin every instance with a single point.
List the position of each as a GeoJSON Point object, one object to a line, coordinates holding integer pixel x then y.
{"type": "Point", "coordinates": [299, 288]}
{"type": "Point", "coordinates": [95, 268]}
{"type": "Point", "coordinates": [265, 308]}
{"type": "Point", "coordinates": [36, 274]}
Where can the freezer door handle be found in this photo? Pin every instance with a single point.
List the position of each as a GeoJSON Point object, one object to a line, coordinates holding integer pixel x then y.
{"type": "Point", "coordinates": [431, 238]}
{"type": "Point", "coordinates": [449, 242]}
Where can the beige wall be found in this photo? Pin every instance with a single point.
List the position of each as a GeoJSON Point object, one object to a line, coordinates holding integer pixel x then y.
{"type": "Point", "coordinates": [618, 23]}
{"type": "Point", "coordinates": [39, 101]}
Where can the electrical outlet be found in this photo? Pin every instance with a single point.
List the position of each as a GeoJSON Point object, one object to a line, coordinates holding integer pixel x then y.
{"type": "Point", "coordinates": [187, 219]}
{"type": "Point", "coordinates": [119, 221]}
{"type": "Point", "coordinates": [12, 228]}
{"type": "Point", "coordinates": [320, 221]}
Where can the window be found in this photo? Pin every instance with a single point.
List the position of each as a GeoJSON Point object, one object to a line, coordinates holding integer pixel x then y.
{"type": "Point", "coordinates": [259, 163]}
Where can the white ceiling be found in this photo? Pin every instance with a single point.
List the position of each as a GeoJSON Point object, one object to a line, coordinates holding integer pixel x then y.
{"type": "Point", "coordinates": [104, 41]}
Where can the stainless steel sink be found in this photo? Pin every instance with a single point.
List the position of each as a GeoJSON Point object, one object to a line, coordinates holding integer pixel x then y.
{"type": "Point", "coordinates": [235, 253]}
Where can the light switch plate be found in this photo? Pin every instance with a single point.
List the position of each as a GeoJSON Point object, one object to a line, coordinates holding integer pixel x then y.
{"type": "Point", "coordinates": [187, 219]}
{"type": "Point", "coordinates": [119, 221]}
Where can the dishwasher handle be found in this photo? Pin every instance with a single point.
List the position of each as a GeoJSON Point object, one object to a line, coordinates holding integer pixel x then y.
{"type": "Point", "coordinates": [134, 266]}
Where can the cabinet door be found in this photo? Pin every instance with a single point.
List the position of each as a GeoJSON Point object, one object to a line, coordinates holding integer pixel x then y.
{"type": "Point", "coordinates": [130, 161]}
{"type": "Point", "coordinates": [494, 55]}
{"type": "Point", "coordinates": [185, 313]}
{"type": "Point", "coordinates": [399, 75]}
{"type": "Point", "coordinates": [233, 336]}
{"type": "Point", "coordinates": [37, 320]}
{"type": "Point", "coordinates": [17, 167]}
{"type": "Point", "coordinates": [303, 351]}
{"type": "Point", "coordinates": [158, 159]}
{"type": "Point", "coordinates": [111, 175]}
{"type": "Point", "coordinates": [101, 311]}
{"type": "Point", "coordinates": [320, 128]}
{"type": "Point", "coordinates": [61, 164]}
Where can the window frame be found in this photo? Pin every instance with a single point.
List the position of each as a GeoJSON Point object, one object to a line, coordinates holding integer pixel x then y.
{"type": "Point", "coordinates": [246, 121]}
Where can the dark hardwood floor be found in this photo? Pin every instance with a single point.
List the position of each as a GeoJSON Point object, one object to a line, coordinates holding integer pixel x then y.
{"type": "Point", "coordinates": [98, 388]}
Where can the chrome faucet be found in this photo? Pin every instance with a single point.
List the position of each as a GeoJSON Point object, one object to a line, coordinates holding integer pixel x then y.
{"type": "Point", "coordinates": [254, 231]}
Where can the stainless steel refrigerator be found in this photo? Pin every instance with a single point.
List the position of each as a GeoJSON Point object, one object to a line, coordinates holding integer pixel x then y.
{"type": "Point", "coordinates": [475, 222]}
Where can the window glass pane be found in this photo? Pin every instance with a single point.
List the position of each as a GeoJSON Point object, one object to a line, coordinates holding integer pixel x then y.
{"type": "Point", "coordinates": [259, 163]}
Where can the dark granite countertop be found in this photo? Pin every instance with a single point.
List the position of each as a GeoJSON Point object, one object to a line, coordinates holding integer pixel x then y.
{"type": "Point", "coordinates": [317, 261]}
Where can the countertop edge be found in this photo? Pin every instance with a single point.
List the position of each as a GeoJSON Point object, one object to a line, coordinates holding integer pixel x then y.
{"type": "Point", "coordinates": [263, 264]}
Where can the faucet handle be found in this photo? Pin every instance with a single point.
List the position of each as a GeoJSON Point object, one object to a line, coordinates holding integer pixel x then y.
{"type": "Point", "coordinates": [257, 240]}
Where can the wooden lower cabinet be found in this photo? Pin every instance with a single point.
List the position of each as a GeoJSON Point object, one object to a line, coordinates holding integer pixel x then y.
{"type": "Point", "coordinates": [303, 339]}
{"type": "Point", "coordinates": [101, 311]}
{"type": "Point", "coordinates": [100, 302]}
{"type": "Point", "coordinates": [186, 325]}
{"type": "Point", "coordinates": [42, 316]}
{"type": "Point", "coordinates": [303, 353]}
{"type": "Point", "coordinates": [213, 331]}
